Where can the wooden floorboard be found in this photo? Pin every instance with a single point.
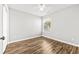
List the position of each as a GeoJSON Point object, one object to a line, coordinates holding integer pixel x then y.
{"type": "Point", "coordinates": [40, 45]}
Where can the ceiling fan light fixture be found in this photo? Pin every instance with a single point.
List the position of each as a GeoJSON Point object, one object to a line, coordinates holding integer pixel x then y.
{"type": "Point", "coordinates": [42, 7]}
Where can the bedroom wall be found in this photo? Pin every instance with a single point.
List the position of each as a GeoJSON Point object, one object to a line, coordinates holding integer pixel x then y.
{"type": "Point", "coordinates": [65, 25]}
{"type": "Point", "coordinates": [23, 25]}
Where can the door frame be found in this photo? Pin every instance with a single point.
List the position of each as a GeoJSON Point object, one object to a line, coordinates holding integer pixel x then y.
{"type": "Point", "coordinates": [7, 28]}
{"type": "Point", "coordinates": [1, 19]}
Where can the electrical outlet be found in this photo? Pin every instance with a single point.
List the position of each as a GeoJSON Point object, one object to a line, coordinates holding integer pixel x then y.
{"type": "Point", "coordinates": [72, 38]}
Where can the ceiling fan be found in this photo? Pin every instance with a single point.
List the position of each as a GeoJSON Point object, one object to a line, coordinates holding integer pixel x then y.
{"type": "Point", "coordinates": [42, 7]}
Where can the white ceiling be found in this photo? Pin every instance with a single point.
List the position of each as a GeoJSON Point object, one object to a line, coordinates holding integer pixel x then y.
{"type": "Point", "coordinates": [34, 8]}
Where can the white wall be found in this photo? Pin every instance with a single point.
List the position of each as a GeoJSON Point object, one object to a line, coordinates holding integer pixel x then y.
{"type": "Point", "coordinates": [23, 25]}
{"type": "Point", "coordinates": [65, 25]}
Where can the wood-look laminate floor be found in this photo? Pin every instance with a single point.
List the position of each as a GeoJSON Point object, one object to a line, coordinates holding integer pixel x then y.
{"type": "Point", "coordinates": [40, 45]}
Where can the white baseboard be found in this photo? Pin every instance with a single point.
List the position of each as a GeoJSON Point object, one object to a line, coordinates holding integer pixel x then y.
{"type": "Point", "coordinates": [47, 37]}
{"type": "Point", "coordinates": [61, 40]}
{"type": "Point", "coordinates": [25, 39]}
